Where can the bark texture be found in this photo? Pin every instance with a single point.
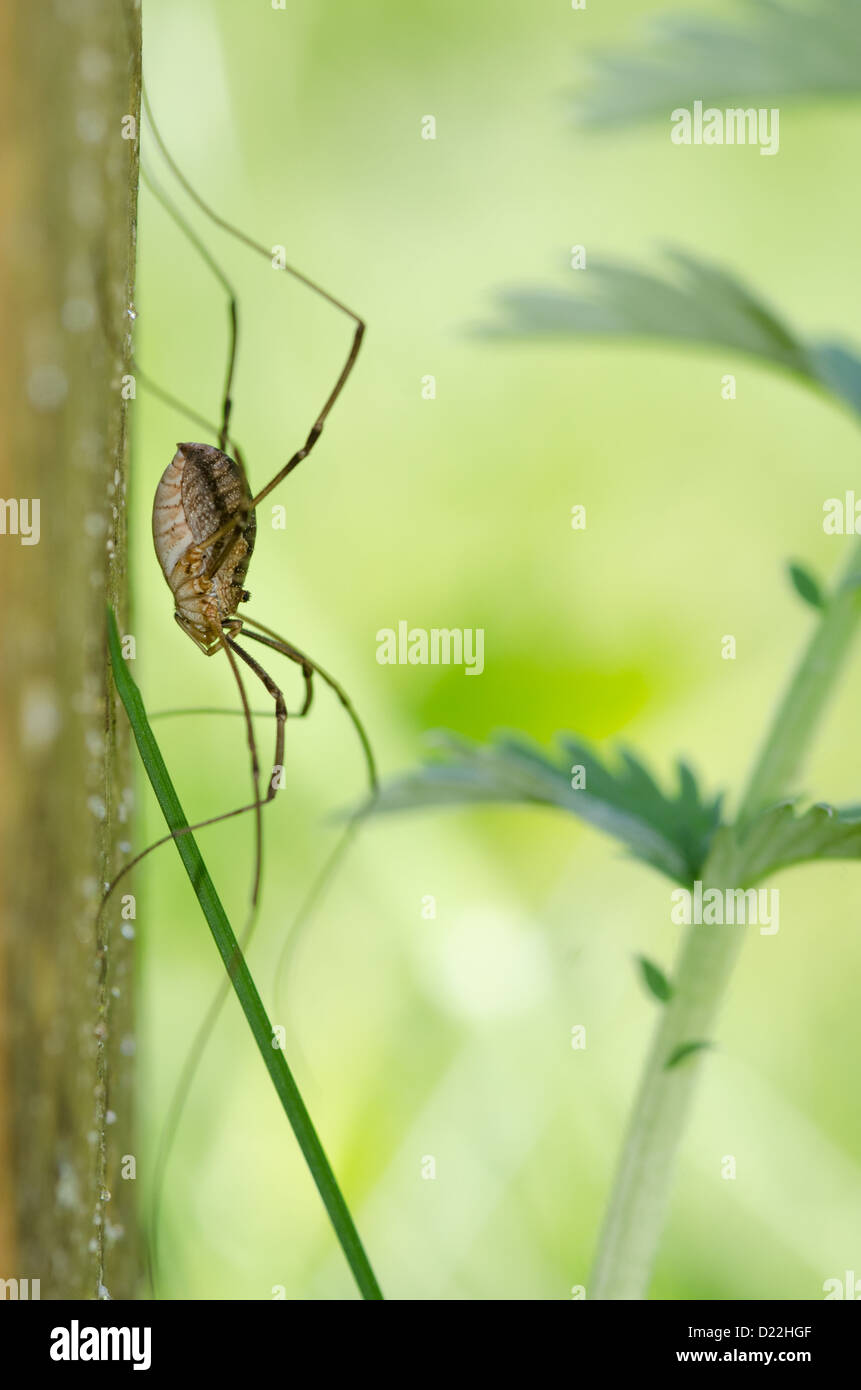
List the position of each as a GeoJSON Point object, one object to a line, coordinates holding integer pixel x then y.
{"type": "Point", "coordinates": [68, 183]}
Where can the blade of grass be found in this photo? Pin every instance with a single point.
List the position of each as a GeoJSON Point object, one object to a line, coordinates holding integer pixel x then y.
{"type": "Point", "coordinates": [240, 976]}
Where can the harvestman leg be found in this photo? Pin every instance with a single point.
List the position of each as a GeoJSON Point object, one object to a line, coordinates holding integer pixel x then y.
{"type": "Point", "coordinates": [232, 302]}
{"type": "Point", "coordinates": [271, 639]}
{"type": "Point", "coordinates": [144, 377]}
{"type": "Point", "coordinates": [220, 552]}
{"type": "Point", "coordinates": [358, 334]}
{"type": "Point", "coordinates": [280, 711]}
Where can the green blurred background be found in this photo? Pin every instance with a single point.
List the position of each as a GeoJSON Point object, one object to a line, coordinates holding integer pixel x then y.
{"type": "Point", "coordinates": [451, 1037]}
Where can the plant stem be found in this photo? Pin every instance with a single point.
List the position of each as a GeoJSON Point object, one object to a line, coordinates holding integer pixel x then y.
{"type": "Point", "coordinates": [800, 710]}
{"type": "Point", "coordinates": [240, 976]}
{"type": "Point", "coordinates": [69, 79]}
{"type": "Point", "coordinates": [641, 1192]}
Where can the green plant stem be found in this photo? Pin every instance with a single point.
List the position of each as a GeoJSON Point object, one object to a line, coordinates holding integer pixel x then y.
{"type": "Point", "coordinates": [800, 710]}
{"type": "Point", "coordinates": [240, 976]}
{"type": "Point", "coordinates": [641, 1191]}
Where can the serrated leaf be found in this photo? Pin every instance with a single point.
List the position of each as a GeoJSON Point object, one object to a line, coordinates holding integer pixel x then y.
{"type": "Point", "coordinates": [655, 980]}
{"type": "Point", "coordinates": [671, 832]}
{"type": "Point", "coordinates": [702, 305]}
{"type": "Point", "coordinates": [772, 52]}
{"type": "Point", "coordinates": [806, 586]}
{"type": "Point", "coordinates": [781, 836]}
{"type": "Point", "coordinates": [684, 1050]}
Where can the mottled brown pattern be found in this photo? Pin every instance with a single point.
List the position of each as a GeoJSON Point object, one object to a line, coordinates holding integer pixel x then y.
{"type": "Point", "coordinates": [213, 490]}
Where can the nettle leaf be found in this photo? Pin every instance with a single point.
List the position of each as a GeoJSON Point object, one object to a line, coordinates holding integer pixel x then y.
{"type": "Point", "coordinates": [671, 832]}
{"type": "Point", "coordinates": [806, 586]}
{"type": "Point", "coordinates": [702, 305]}
{"type": "Point", "coordinates": [783, 836]}
{"type": "Point", "coordinates": [655, 980]}
{"type": "Point", "coordinates": [773, 50]}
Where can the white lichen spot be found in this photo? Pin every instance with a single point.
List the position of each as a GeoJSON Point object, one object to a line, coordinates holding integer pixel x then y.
{"type": "Point", "coordinates": [124, 846]}
{"type": "Point", "coordinates": [104, 1295]}
{"type": "Point", "coordinates": [39, 716]}
{"type": "Point", "coordinates": [128, 1046]}
{"type": "Point", "coordinates": [96, 807]}
{"type": "Point", "coordinates": [67, 1192]}
{"type": "Point", "coordinates": [95, 524]}
{"type": "Point", "coordinates": [128, 931]}
{"type": "Point", "coordinates": [110, 1117]}
{"type": "Point", "coordinates": [104, 1195]}
{"type": "Point", "coordinates": [113, 1232]}
{"type": "Point", "coordinates": [78, 315]}
{"type": "Point", "coordinates": [85, 197]}
{"type": "Point", "coordinates": [94, 64]}
{"type": "Point", "coordinates": [91, 126]}
{"type": "Point", "coordinates": [47, 387]}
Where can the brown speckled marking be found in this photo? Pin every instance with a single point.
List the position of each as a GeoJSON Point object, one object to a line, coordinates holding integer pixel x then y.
{"type": "Point", "coordinates": [200, 490]}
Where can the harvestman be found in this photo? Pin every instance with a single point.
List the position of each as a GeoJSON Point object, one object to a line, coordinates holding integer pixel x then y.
{"type": "Point", "coordinates": [204, 529]}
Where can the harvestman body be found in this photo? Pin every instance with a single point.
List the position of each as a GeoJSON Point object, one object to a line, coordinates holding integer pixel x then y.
{"type": "Point", "coordinates": [200, 490]}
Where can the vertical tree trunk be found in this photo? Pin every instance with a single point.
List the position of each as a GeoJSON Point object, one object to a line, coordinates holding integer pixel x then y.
{"type": "Point", "coordinates": [68, 181]}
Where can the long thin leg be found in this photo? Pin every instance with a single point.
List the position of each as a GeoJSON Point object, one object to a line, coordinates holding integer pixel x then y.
{"type": "Point", "coordinates": [358, 331]}
{"type": "Point", "coordinates": [280, 713]}
{"type": "Point", "coordinates": [192, 1060]}
{"type": "Point", "coordinates": [144, 377]}
{"type": "Point", "coordinates": [232, 302]}
{"type": "Point", "coordinates": [271, 639]}
{"type": "Point", "coordinates": [189, 1068]}
{"type": "Point", "coordinates": [230, 648]}
{"type": "Point", "coordinates": [255, 805]}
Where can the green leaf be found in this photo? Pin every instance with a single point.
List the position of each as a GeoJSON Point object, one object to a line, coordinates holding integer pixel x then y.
{"type": "Point", "coordinates": [684, 1050]}
{"type": "Point", "coordinates": [239, 974]}
{"type": "Point", "coordinates": [806, 586]}
{"type": "Point", "coordinates": [700, 305]}
{"type": "Point", "coordinates": [773, 52]}
{"type": "Point", "coordinates": [655, 980]}
{"type": "Point", "coordinates": [670, 832]}
{"type": "Point", "coordinates": [781, 836]}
